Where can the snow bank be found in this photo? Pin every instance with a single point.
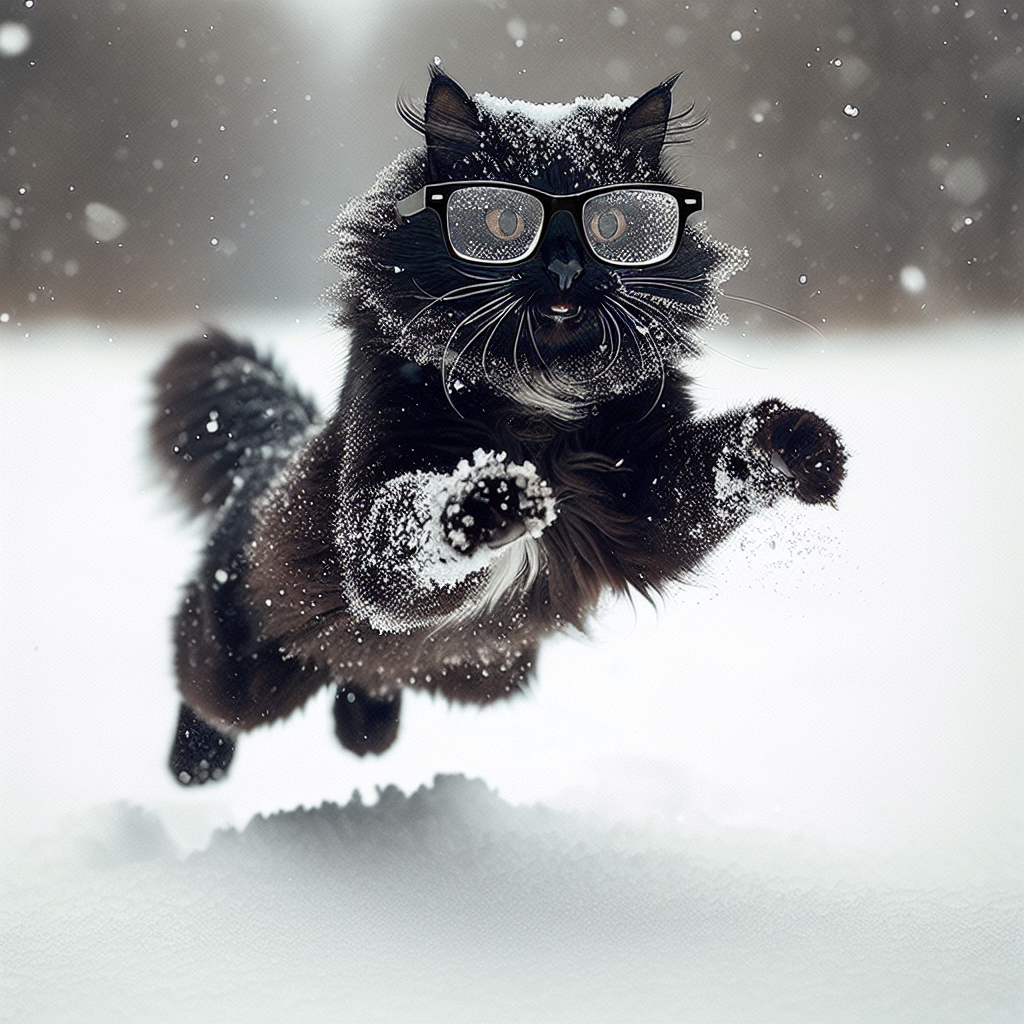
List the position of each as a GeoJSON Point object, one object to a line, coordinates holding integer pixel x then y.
{"type": "Point", "coordinates": [451, 905]}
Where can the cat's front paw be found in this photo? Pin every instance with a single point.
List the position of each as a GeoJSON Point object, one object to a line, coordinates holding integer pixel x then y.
{"type": "Point", "coordinates": [805, 448]}
{"type": "Point", "coordinates": [494, 502]}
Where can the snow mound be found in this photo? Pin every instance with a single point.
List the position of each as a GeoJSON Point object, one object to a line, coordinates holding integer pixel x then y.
{"type": "Point", "coordinates": [450, 904]}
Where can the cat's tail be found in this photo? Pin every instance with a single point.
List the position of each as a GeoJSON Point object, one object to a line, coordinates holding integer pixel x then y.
{"type": "Point", "coordinates": [221, 412]}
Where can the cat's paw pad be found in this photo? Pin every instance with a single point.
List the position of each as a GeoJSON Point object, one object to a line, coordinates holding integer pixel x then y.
{"type": "Point", "coordinates": [486, 514]}
{"type": "Point", "coordinates": [494, 502]}
{"type": "Point", "coordinates": [805, 448]}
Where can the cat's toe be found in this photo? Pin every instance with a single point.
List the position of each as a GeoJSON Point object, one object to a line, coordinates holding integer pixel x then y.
{"type": "Point", "coordinates": [806, 448]}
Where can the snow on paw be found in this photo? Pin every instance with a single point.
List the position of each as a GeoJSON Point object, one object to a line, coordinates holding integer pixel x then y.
{"type": "Point", "coordinates": [493, 502]}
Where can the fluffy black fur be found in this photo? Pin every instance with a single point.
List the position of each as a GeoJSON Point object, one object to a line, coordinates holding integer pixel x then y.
{"type": "Point", "coordinates": [510, 444]}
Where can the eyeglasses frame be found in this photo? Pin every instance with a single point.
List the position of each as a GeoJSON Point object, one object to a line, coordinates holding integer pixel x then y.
{"type": "Point", "coordinates": [435, 197]}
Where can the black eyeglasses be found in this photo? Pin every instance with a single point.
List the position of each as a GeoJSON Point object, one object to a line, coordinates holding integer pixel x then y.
{"type": "Point", "coordinates": [630, 225]}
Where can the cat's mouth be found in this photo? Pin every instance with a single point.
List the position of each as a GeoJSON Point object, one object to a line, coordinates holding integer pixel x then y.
{"type": "Point", "coordinates": [560, 310]}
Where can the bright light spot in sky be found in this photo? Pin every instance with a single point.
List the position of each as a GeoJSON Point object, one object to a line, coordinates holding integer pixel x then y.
{"type": "Point", "coordinates": [103, 222]}
{"type": "Point", "coordinates": [516, 28]}
{"type": "Point", "coordinates": [965, 180]}
{"type": "Point", "coordinates": [15, 39]}
{"type": "Point", "coordinates": [913, 280]}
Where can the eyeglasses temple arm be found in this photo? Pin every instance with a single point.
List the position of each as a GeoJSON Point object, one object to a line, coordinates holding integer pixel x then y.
{"type": "Point", "coordinates": [411, 205]}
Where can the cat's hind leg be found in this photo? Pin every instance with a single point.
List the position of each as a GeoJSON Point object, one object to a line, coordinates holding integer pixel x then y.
{"type": "Point", "coordinates": [200, 753]}
{"type": "Point", "coordinates": [229, 679]}
{"type": "Point", "coordinates": [365, 724]}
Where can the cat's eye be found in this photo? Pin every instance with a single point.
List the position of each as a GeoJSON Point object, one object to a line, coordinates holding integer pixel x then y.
{"type": "Point", "coordinates": [506, 224]}
{"type": "Point", "coordinates": [632, 225]}
{"type": "Point", "coordinates": [608, 226]}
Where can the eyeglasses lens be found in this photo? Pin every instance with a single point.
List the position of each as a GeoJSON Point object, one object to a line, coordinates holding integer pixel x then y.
{"type": "Point", "coordinates": [631, 226]}
{"type": "Point", "coordinates": [493, 225]}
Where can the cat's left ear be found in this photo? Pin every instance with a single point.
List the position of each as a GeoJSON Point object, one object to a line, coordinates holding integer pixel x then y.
{"type": "Point", "coordinates": [451, 124]}
{"type": "Point", "coordinates": [646, 122]}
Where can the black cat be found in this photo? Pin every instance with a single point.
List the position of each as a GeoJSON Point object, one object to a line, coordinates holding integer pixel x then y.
{"type": "Point", "coordinates": [515, 434]}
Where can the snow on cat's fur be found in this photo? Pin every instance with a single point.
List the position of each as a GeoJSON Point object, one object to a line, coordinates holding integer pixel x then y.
{"type": "Point", "coordinates": [511, 442]}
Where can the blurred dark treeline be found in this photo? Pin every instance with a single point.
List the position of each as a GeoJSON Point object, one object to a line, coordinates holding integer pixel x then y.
{"type": "Point", "coordinates": [185, 158]}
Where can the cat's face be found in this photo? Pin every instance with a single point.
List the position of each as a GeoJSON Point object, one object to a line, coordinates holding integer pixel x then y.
{"type": "Point", "coordinates": [560, 327]}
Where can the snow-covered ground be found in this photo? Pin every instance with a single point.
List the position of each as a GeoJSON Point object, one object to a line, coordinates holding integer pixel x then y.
{"type": "Point", "coordinates": [800, 779]}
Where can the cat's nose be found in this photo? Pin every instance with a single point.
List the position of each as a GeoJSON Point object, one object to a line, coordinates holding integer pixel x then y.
{"type": "Point", "coordinates": [565, 272]}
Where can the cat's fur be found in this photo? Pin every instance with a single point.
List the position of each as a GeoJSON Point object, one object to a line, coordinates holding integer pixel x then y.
{"type": "Point", "coordinates": [494, 465]}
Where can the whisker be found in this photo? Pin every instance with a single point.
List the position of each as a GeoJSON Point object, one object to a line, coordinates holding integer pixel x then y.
{"type": "Point", "coordinates": [636, 326]}
{"type": "Point", "coordinates": [536, 348]}
{"type": "Point", "coordinates": [647, 308]}
{"type": "Point", "coordinates": [643, 332]}
{"type": "Point", "coordinates": [483, 277]}
{"type": "Point", "coordinates": [490, 337]}
{"type": "Point", "coordinates": [515, 343]}
{"type": "Point", "coordinates": [671, 284]}
{"type": "Point", "coordinates": [654, 313]}
{"type": "Point", "coordinates": [495, 317]}
{"type": "Point", "coordinates": [466, 291]}
{"type": "Point", "coordinates": [613, 339]}
{"type": "Point", "coordinates": [774, 309]}
{"type": "Point", "coordinates": [658, 278]}
{"type": "Point", "coordinates": [484, 311]}
{"type": "Point", "coordinates": [463, 290]}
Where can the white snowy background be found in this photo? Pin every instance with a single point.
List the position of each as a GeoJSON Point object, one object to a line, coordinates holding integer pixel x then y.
{"type": "Point", "coordinates": [813, 754]}
{"type": "Point", "coordinates": [791, 791]}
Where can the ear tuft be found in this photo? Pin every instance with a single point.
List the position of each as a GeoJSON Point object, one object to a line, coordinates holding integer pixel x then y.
{"type": "Point", "coordinates": [451, 124]}
{"type": "Point", "coordinates": [646, 122]}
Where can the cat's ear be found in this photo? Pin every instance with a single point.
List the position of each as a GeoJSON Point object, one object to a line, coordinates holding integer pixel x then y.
{"type": "Point", "coordinates": [646, 122]}
{"type": "Point", "coordinates": [451, 124]}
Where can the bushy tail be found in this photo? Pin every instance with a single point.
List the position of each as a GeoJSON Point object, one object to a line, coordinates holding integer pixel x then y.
{"type": "Point", "coordinates": [221, 411]}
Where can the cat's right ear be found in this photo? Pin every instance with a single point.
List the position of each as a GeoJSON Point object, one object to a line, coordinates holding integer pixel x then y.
{"type": "Point", "coordinates": [451, 125]}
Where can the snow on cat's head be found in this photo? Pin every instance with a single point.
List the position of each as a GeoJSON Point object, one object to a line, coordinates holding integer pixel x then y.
{"type": "Point", "coordinates": [592, 329]}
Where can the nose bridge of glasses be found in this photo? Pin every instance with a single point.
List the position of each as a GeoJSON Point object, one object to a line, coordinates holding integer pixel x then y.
{"type": "Point", "coordinates": [562, 236]}
{"type": "Point", "coordinates": [562, 249]}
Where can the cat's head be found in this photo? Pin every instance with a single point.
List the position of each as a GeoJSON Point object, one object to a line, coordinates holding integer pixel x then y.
{"type": "Point", "coordinates": [570, 321]}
